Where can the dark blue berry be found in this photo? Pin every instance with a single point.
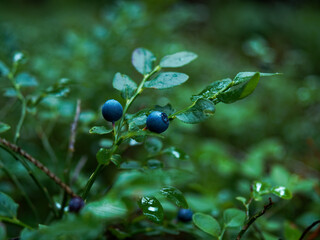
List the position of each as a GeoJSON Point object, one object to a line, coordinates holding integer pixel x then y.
{"type": "Point", "coordinates": [76, 204]}
{"type": "Point", "coordinates": [157, 122]}
{"type": "Point", "coordinates": [112, 110]}
{"type": "Point", "coordinates": [185, 215]}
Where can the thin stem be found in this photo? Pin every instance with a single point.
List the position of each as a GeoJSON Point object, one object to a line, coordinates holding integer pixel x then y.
{"type": "Point", "coordinates": [91, 180]}
{"type": "Point", "coordinates": [15, 221]}
{"type": "Point", "coordinates": [21, 120]}
{"type": "Point", "coordinates": [70, 155]}
{"type": "Point", "coordinates": [222, 233]}
{"type": "Point", "coordinates": [254, 218]}
{"type": "Point", "coordinates": [305, 232]}
{"type": "Point", "coordinates": [19, 186]}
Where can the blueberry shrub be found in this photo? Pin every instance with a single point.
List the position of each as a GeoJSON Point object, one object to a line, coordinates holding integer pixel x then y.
{"type": "Point", "coordinates": [159, 120]}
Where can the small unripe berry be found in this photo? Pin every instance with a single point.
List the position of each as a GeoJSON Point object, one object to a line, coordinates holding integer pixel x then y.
{"type": "Point", "coordinates": [157, 122]}
{"type": "Point", "coordinates": [76, 204]}
{"type": "Point", "coordinates": [112, 110]}
{"type": "Point", "coordinates": [185, 215]}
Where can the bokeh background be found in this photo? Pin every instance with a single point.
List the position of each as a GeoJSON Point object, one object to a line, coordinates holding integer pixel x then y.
{"type": "Point", "coordinates": [272, 136]}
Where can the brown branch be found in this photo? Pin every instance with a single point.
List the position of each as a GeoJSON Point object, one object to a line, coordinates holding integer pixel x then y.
{"type": "Point", "coordinates": [38, 164]}
{"type": "Point", "coordinates": [254, 218]}
{"type": "Point", "coordinates": [305, 232]}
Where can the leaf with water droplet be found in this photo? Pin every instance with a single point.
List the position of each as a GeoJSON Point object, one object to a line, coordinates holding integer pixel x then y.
{"type": "Point", "coordinates": [178, 59]}
{"type": "Point", "coordinates": [259, 189]}
{"type": "Point", "coordinates": [211, 90]}
{"type": "Point", "coordinates": [151, 208]}
{"type": "Point", "coordinates": [282, 192]}
{"type": "Point", "coordinates": [103, 156]}
{"type": "Point", "coordinates": [167, 80]}
{"type": "Point", "coordinates": [199, 112]}
{"type": "Point", "coordinates": [175, 195]}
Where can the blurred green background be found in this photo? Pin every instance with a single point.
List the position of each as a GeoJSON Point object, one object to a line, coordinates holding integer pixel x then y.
{"type": "Point", "coordinates": [273, 135]}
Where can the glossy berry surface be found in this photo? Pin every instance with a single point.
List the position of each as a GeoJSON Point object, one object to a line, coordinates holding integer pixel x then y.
{"type": "Point", "coordinates": [112, 110]}
{"type": "Point", "coordinates": [76, 204]}
{"type": "Point", "coordinates": [185, 215]}
{"type": "Point", "coordinates": [157, 122]}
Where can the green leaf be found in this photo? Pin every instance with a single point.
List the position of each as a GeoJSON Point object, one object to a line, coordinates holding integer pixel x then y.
{"type": "Point", "coordinates": [259, 189]}
{"type": "Point", "coordinates": [175, 195]}
{"type": "Point", "coordinates": [19, 57]}
{"type": "Point", "coordinates": [130, 165]}
{"type": "Point", "coordinates": [8, 208]}
{"type": "Point", "coordinates": [153, 145]}
{"type": "Point", "coordinates": [239, 90]}
{"type": "Point", "coordinates": [178, 59]}
{"type": "Point", "coordinates": [26, 80]}
{"type": "Point", "coordinates": [242, 200]}
{"type": "Point", "coordinates": [4, 127]}
{"type": "Point", "coordinates": [100, 130]}
{"type": "Point", "coordinates": [211, 90]}
{"type": "Point", "coordinates": [103, 156]}
{"type": "Point", "coordinates": [244, 84]}
{"type": "Point", "coordinates": [201, 110]}
{"type": "Point", "coordinates": [167, 80]}
{"type": "Point", "coordinates": [10, 92]}
{"type": "Point", "coordinates": [291, 231]}
{"type": "Point", "coordinates": [207, 224]}
{"type": "Point", "coordinates": [106, 209]}
{"type": "Point", "coordinates": [4, 71]}
{"type": "Point", "coordinates": [124, 84]}
{"type": "Point", "coordinates": [142, 60]}
{"type": "Point", "coordinates": [234, 217]}
{"type": "Point", "coordinates": [154, 164]}
{"type": "Point", "coordinates": [152, 209]}
{"type": "Point", "coordinates": [281, 192]}
{"type": "Point", "coordinates": [176, 153]}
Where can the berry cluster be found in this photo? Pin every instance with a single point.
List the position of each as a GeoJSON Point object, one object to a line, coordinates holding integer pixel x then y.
{"type": "Point", "coordinates": [157, 121]}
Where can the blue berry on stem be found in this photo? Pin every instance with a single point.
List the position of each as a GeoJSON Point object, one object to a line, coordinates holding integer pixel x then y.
{"type": "Point", "coordinates": [112, 110]}
{"type": "Point", "coordinates": [157, 122]}
{"type": "Point", "coordinates": [185, 215]}
{"type": "Point", "coordinates": [76, 204]}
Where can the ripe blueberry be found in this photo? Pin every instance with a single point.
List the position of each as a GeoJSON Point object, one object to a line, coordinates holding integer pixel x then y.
{"type": "Point", "coordinates": [185, 215]}
{"type": "Point", "coordinates": [76, 204]}
{"type": "Point", "coordinates": [112, 110]}
{"type": "Point", "coordinates": [157, 122]}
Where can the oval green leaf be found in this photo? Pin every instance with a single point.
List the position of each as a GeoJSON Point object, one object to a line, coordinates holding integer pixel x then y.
{"type": "Point", "coordinates": [152, 209]}
{"type": "Point", "coordinates": [282, 192]}
{"type": "Point", "coordinates": [178, 59]}
{"type": "Point", "coordinates": [207, 224]}
{"type": "Point", "coordinates": [175, 195]}
{"type": "Point", "coordinates": [4, 71]}
{"type": "Point", "coordinates": [124, 84]}
{"type": "Point", "coordinates": [167, 80]}
{"type": "Point", "coordinates": [103, 156]}
{"type": "Point", "coordinates": [142, 60]}
{"type": "Point", "coordinates": [99, 130]}
{"type": "Point", "coordinates": [234, 217]}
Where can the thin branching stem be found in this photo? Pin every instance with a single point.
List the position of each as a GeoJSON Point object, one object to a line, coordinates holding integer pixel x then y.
{"type": "Point", "coordinates": [254, 218]}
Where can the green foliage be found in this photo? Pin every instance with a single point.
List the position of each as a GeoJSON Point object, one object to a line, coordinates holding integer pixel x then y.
{"type": "Point", "coordinates": [167, 80]}
{"type": "Point", "coordinates": [207, 224]}
{"type": "Point", "coordinates": [151, 208]}
{"type": "Point", "coordinates": [234, 217]}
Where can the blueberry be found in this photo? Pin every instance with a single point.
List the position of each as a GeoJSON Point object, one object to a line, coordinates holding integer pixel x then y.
{"type": "Point", "coordinates": [76, 204]}
{"type": "Point", "coordinates": [157, 122]}
{"type": "Point", "coordinates": [185, 215]}
{"type": "Point", "coordinates": [112, 110]}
